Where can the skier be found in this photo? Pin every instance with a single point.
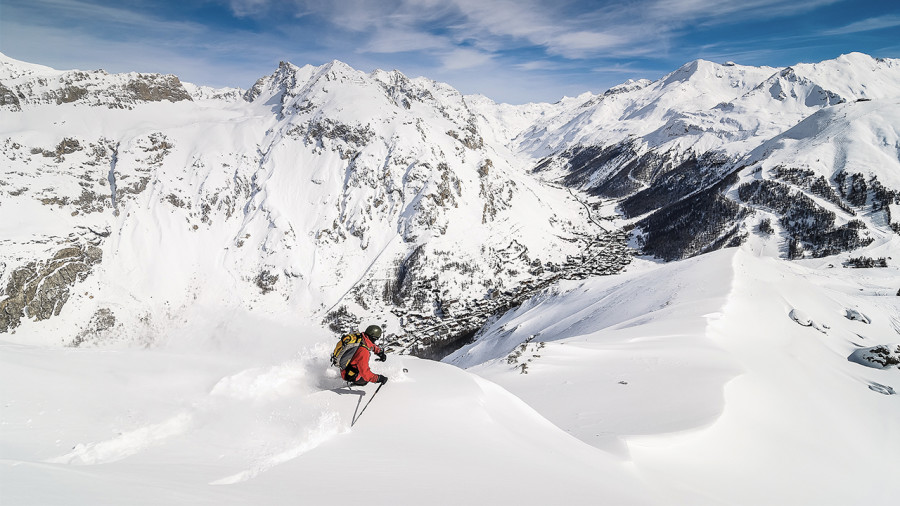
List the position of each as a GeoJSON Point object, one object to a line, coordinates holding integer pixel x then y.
{"type": "Point", "coordinates": [357, 371]}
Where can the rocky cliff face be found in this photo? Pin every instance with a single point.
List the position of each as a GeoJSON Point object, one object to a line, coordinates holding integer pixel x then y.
{"type": "Point", "coordinates": [40, 289]}
{"type": "Point", "coordinates": [33, 85]}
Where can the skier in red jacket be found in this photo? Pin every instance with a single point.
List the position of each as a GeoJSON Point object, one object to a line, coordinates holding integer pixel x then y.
{"type": "Point", "coordinates": [357, 371]}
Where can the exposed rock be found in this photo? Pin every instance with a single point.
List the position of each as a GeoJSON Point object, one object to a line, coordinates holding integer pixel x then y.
{"type": "Point", "coordinates": [8, 99]}
{"type": "Point", "coordinates": [882, 389]}
{"type": "Point", "coordinates": [67, 146]}
{"type": "Point", "coordinates": [852, 314]}
{"type": "Point", "coordinates": [156, 88]}
{"type": "Point", "coordinates": [327, 128]}
{"type": "Point", "coordinates": [800, 317]}
{"type": "Point", "coordinates": [878, 357]}
{"type": "Point", "coordinates": [265, 281]}
{"type": "Point", "coordinates": [95, 88]}
{"type": "Point", "coordinates": [70, 94]}
{"type": "Point", "coordinates": [39, 290]}
{"type": "Point", "coordinates": [102, 321]}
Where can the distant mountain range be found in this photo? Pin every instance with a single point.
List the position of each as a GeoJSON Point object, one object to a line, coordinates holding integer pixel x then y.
{"type": "Point", "coordinates": [130, 200]}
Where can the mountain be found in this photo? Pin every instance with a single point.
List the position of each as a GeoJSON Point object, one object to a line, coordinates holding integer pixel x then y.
{"type": "Point", "coordinates": [323, 191]}
{"type": "Point", "coordinates": [674, 147]}
{"type": "Point", "coordinates": [681, 291]}
{"type": "Point", "coordinates": [335, 194]}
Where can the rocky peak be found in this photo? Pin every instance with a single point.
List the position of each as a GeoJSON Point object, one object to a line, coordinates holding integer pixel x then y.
{"type": "Point", "coordinates": [289, 80]}
{"type": "Point", "coordinates": [26, 84]}
{"type": "Point", "coordinates": [628, 86]}
{"type": "Point", "coordinates": [284, 78]}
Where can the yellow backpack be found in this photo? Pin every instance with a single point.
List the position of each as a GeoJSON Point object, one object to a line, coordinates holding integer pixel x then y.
{"type": "Point", "coordinates": [345, 349]}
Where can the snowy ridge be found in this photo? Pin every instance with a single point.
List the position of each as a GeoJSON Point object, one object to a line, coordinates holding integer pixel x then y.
{"type": "Point", "coordinates": [25, 84]}
{"type": "Point", "coordinates": [708, 106]}
{"type": "Point", "coordinates": [642, 109]}
{"type": "Point", "coordinates": [690, 368]}
{"type": "Point", "coordinates": [706, 129]}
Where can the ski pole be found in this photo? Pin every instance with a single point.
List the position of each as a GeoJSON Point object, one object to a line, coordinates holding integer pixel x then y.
{"type": "Point", "coordinates": [356, 418]}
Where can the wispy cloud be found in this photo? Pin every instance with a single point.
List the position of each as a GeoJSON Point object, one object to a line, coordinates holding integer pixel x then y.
{"type": "Point", "coordinates": [568, 29]}
{"type": "Point", "coordinates": [561, 43]}
{"type": "Point", "coordinates": [246, 8]}
{"type": "Point", "coordinates": [582, 43]}
{"type": "Point", "coordinates": [87, 36]}
{"type": "Point", "coordinates": [464, 58]}
{"type": "Point", "coordinates": [628, 69]}
{"type": "Point", "coordinates": [728, 12]}
{"type": "Point", "coordinates": [392, 40]}
{"type": "Point", "coordinates": [867, 25]}
{"type": "Point", "coordinates": [82, 14]}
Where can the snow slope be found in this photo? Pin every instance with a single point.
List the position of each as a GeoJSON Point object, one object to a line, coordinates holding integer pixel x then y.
{"type": "Point", "coordinates": [642, 108]}
{"type": "Point", "coordinates": [738, 391]}
{"type": "Point", "coordinates": [656, 386]}
{"type": "Point", "coordinates": [233, 423]}
{"type": "Point", "coordinates": [857, 137]}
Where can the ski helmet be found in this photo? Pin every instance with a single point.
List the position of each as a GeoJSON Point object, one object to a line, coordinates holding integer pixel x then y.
{"type": "Point", "coordinates": [373, 331]}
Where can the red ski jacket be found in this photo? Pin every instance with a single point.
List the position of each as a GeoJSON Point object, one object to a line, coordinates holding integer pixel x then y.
{"type": "Point", "coordinates": [360, 362]}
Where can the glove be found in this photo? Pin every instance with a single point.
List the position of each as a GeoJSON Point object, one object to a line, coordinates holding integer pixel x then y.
{"type": "Point", "coordinates": [382, 356]}
{"type": "Point", "coordinates": [382, 379]}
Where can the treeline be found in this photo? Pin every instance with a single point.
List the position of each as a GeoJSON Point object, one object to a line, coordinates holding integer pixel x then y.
{"type": "Point", "coordinates": [703, 222]}
{"type": "Point", "coordinates": [866, 262]}
{"type": "Point", "coordinates": [808, 224]}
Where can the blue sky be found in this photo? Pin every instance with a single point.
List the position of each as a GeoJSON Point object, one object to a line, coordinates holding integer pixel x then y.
{"type": "Point", "coordinates": [513, 51]}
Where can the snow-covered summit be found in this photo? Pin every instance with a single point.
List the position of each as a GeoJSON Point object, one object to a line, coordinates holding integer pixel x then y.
{"type": "Point", "coordinates": [12, 69]}
{"type": "Point", "coordinates": [639, 109]}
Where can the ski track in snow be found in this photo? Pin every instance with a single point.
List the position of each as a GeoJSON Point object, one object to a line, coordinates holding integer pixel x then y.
{"type": "Point", "coordinates": [329, 426]}
{"type": "Point", "coordinates": [252, 388]}
{"type": "Point", "coordinates": [126, 444]}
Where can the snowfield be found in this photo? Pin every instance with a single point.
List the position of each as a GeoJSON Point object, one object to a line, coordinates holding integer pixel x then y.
{"type": "Point", "coordinates": [696, 373]}
{"type": "Point", "coordinates": [681, 383]}
{"type": "Point", "coordinates": [185, 427]}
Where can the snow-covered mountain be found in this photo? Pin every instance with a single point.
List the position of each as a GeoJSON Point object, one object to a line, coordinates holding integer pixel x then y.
{"type": "Point", "coordinates": [334, 193]}
{"type": "Point", "coordinates": [232, 232]}
{"type": "Point", "coordinates": [317, 190]}
{"type": "Point", "coordinates": [668, 151]}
